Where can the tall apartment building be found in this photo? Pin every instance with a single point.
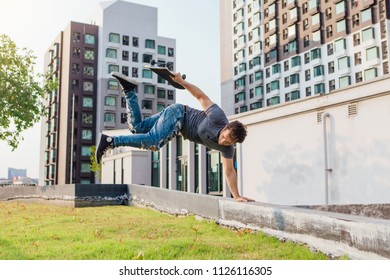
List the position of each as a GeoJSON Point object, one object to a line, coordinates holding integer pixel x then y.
{"type": "Point", "coordinates": [283, 50]}
{"type": "Point", "coordinates": [121, 36]}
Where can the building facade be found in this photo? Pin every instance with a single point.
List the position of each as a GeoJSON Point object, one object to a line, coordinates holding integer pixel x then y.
{"type": "Point", "coordinates": [122, 37]}
{"type": "Point", "coordinates": [68, 131]}
{"type": "Point", "coordinates": [283, 50]}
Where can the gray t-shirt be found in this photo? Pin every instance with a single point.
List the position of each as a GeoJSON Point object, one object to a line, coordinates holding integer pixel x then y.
{"type": "Point", "coordinates": [203, 127]}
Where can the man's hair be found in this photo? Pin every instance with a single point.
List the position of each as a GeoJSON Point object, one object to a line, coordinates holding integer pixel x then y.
{"type": "Point", "coordinates": [237, 131]}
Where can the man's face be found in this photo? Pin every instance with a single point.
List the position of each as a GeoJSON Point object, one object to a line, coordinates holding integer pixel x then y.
{"type": "Point", "coordinates": [224, 138]}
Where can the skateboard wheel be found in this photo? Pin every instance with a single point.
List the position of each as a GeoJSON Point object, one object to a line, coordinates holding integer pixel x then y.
{"type": "Point", "coordinates": [152, 62]}
{"type": "Point", "coordinates": [184, 76]}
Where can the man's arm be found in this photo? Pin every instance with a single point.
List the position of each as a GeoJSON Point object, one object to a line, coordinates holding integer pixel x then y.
{"type": "Point", "coordinates": [203, 99]}
{"type": "Point", "coordinates": [231, 178]}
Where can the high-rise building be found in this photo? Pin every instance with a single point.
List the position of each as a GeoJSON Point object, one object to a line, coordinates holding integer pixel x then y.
{"type": "Point", "coordinates": [120, 37]}
{"type": "Point", "coordinates": [276, 51]}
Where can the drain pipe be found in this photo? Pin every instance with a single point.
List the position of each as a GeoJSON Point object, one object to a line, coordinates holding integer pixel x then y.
{"type": "Point", "coordinates": [327, 169]}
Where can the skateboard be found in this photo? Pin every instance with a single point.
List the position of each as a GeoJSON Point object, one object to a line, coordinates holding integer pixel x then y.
{"type": "Point", "coordinates": [164, 72]}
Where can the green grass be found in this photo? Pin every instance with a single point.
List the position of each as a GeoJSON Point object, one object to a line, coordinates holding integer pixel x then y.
{"type": "Point", "coordinates": [32, 231]}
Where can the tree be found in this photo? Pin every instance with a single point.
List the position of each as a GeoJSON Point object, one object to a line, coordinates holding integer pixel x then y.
{"type": "Point", "coordinates": [21, 95]}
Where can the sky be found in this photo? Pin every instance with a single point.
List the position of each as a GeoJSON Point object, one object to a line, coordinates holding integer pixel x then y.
{"type": "Point", "coordinates": [35, 24]}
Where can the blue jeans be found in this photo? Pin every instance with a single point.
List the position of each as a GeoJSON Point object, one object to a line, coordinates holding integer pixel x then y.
{"type": "Point", "coordinates": [153, 132]}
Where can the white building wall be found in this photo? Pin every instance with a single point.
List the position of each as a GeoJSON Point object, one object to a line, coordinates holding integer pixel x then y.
{"type": "Point", "coordinates": [283, 155]}
{"type": "Point", "coordinates": [282, 161]}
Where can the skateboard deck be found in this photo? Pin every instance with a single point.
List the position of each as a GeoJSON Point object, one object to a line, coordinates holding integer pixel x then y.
{"type": "Point", "coordinates": [164, 73]}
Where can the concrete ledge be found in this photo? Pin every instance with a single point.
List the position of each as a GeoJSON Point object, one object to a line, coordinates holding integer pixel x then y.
{"type": "Point", "coordinates": [332, 233]}
{"type": "Point", "coordinates": [72, 195]}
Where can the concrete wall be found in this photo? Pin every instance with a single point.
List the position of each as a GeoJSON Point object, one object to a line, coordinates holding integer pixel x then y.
{"type": "Point", "coordinates": [336, 234]}
{"type": "Point", "coordinates": [283, 160]}
{"type": "Point", "coordinates": [71, 195]}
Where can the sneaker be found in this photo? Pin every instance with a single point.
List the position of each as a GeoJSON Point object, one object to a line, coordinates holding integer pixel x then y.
{"type": "Point", "coordinates": [125, 82]}
{"type": "Point", "coordinates": [105, 143]}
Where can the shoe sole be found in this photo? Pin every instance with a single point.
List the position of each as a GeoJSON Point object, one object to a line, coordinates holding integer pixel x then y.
{"type": "Point", "coordinates": [124, 77]}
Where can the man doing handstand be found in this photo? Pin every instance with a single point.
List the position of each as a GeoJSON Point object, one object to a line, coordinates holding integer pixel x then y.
{"type": "Point", "coordinates": [209, 127]}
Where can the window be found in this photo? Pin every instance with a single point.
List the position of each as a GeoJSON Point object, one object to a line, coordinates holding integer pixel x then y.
{"type": "Point", "coordinates": [85, 167]}
{"type": "Point", "coordinates": [89, 54]}
{"type": "Point", "coordinates": [111, 53]}
{"type": "Point", "coordinates": [87, 118]}
{"type": "Point", "coordinates": [371, 53]}
{"type": "Point", "coordinates": [339, 45]}
{"type": "Point", "coordinates": [274, 85]}
{"type": "Point", "coordinates": [316, 53]}
{"type": "Point", "coordinates": [89, 39]}
{"type": "Point", "coordinates": [370, 74]}
{"type": "Point", "coordinates": [85, 151]}
{"type": "Point", "coordinates": [125, 70]}
{"type": "Point", "coordinates": [318, 70]}
{"type": "Point", "coordinates": [294, 79]}
{"type": "Point", "coordinates": [114, 38]}
{"type": "Point", "coordinates": [135, 57]}
{"type": "Point", "coordinates": [366, 15]}
{"type": "Point", "coordinates": [146, 73]}
{"type": "Point", "coordinates": [356, 39]}
{"type": "Point", "coordinates": [358, 77]}
{"type": "Point", "coordinates": [367, 34]}
{"type": "Point", "coordinates": [146, 58]}
{"type": "Point", "coordinates": [319, 88]}
{"type": "Point", "coordinates": [171, 52]}
{"type": "Point", "coordinates": [332, 85]}
{"type": "Point", "coordinates": [110, 101]}
{"type": "Point", "coordinates": [149, 44]}
{"type": "Point", "coordinates": [87, 86]}
{"type": "Point", "coordinates": [123, 117]}
{"type": "Point", "coordinates": [344, 81]}
{"type": "Point", "coordinates": [259, 91]}
{"type": "Point", "coordinates": [315, 19]}
{"type": "Point", "coordinates": [86, 134]}
{"type": "Point", "coordinates": [341, 26]}
{"type": "Point", "coordinates": [276, 68]}
{"type": "Point", "coordinates": [331, 67]}
{"type": "Point", "coordinates": [308, 91]}
{"type": "Point", "coordinates": [135, 42]}
{"type": "Point", "coordinates": [109, 117]}
{"type": "Point", "coordinates": [149, 89]}
{"type": "Point", "coordinates": [307, 75]}
{"type": "Point", "coordinates": [358, 58]}
{"type": "Point", "coordinates": [295, 61]}
{"type": "Point", "coordinates": [87, 102]}
{"type": "Point", "coordinates": [147, 104]}
{"type": "Point", "coordinates": [125, 40]}
{"type": "Point", "coordinates": [113, 68]}
{"type": "Point", "coordinates": [343, 62]}
{"type": "Point", "coordinates": [340, 7]}
{"type": "Point", "coordinates": [239, 97]}
{"type": "Point", "coordinates": [258, 75]}
{"type": "Point", "coordinates": [161, 93]}
{"type": "Point", "coordinates": [125, 55]}
{"type": "Point", "coordinates": [88, 70]}
{"type": "Point", "coordinates": [113, 85]}
{"type": "Point", "coordinates": [76, 37]}
{"type": "Point", "coordinates": [273, 101]}
{"type": "Point", "coordinates": [161, 50]}
{"type": "Point", "coordinates": [134, 72]}
{"type": "Point", "coordinates": [317, 36]}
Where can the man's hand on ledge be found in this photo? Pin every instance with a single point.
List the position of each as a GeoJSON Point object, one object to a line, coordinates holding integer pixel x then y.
{"type": "Point", "coordinates": [243, 199]}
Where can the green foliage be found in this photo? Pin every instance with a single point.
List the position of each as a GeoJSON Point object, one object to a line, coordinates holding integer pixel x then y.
{"type": "Point", "coordinates": [31, 231]}
{"type": "Point", "coordinates": [95, 167]}
{"type": "Point", "coordinates": [21, 95]}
